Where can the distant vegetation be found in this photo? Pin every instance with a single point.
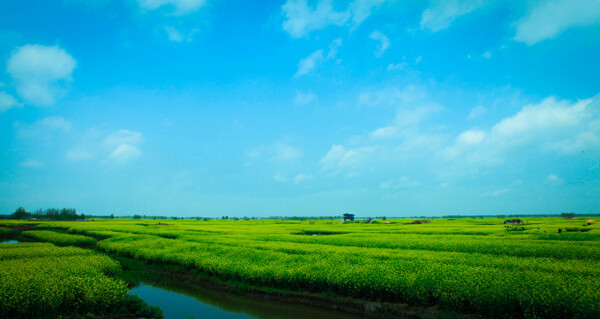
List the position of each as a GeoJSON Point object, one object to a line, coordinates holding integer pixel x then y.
{"type": "Point", "coordinates": [50, 213]}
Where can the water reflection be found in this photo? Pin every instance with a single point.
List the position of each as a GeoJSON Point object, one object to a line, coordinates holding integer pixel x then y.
{"type": "Point", "coordinates": [8, 241]}
{"type": "Point", "coordinates": [199, 302]}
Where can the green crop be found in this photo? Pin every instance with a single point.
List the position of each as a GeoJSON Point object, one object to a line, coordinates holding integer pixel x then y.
{"type": "Point", "coordinates": [39, 280]}
{"type": "Point", "coordinates": [59, 238]}
{"type": "Point", "coordinates": [470, 265]}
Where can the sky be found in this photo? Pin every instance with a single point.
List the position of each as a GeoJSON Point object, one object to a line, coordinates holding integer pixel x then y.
{"type": "Point", "coordinates": [296, 107]}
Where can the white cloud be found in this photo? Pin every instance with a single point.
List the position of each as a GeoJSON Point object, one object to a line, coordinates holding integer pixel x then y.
{"type": "Point", "coordinates": [384, 42]}
{"type": "Point", "coordinates": [495, 193]}
{"type": "Point", "coordinates": [301, 19]}
{"type": "Point", "coordinates": [477, 111]}
{"type": "Point", "coordinates": [339, 157]}
{"type": "Point", "coordinates": [7, 102]}
{"type": "Point", "coordinates": [557, 126]}
{"type": "Point", "coordinates": [31, 164]}
{"type": "Point", "coordinates": [78, 154]}
{"type": "Point", "coordinates": [285, 152]}
{"type": "Point", "coordinates": [40, 72]}
{"type": "Point", "coordinates": [443, 12]}
{"type": "Point", "coordinates": [385, 132]}
{"type": "Point", "coordinates": [124, 153]}
{"type": "Point", "coordinates": [44, 127]}
{"type": "Point", "coordinates": [180, 6]}
{"type": "Point", "coordinates": [397, 66]}
{"type": "Point", "coordinates": [554, 179]}
{"type": "Point", "coordinates": [123, 137]}
{"type": "Point", "coordinates": [309, 63]}
{"type": "Point", "coordinates": [174, 34]}
{"type": "Point", "coordinates": [547, 19]}
{"type": "Point", "coordinates": [548, 115]}
{"type": "Point", "coordinates": [304, 98]}
{"type": "Point", "coordinates": [402, 182]}
{"type": "Point", "coordinates": [487, 54]}
{"type": "Point", "coordinates": [301, 178]}
{"type": "Point", "coordinates": [362, 9]}
{"type": "Point", "coordinates": [390, 97]}
{"type": "Point", "coordinates": [408, 137]}
{"type": "Point", "coordinates": [57, 123]}
{"type": "Point", "coordinates": [333, 48]}
{"type": "Point", "coordinates": [278, 177]}
{"type": "Point", "coordinates": [118, 147]}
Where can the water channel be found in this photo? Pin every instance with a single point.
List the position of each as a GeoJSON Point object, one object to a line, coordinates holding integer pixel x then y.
{"type": "Point", "coordinates": [198, 302]}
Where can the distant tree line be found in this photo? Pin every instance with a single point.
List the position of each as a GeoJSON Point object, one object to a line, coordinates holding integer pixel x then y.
{"type": "Point", "coordinates": [49, 213]}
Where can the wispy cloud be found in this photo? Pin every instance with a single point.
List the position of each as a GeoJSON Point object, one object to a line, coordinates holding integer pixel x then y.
{"type": "Point", "coordinates": [177, 7]}
{"type": "Point", "coordinates": [302, 19]}
{"type": "Point", "coordinates": [495, 193]}
{"type": "Point", "coordinates": [286, 152]}
{"type": "Point", "coordinates": [304, 98]}
{"type": "Point", "coordinates": [362, 9]}
{"type": "Point", "coordinates": [384, 42]}
{"type": "Point", "coordinates": [40, 72]}
{"type": "Point", "coordinates": [547, 19]}
{"type": "Point", "coordinates": [443, 12]}
{"type": "Point", "coordinates": [311, 62]}
{"type": "Point", "coordinates": [31, 164]}
{"type": "Point", "coordinates": [396, 66]}
{"type": "Point", "coordinates": [7, 102]}
{"type": "Point", "coordinates": [175, 35]}
{"type": "Point", "coordinates": [302, 178]}
{"type": "Point", "coordinates": [402, 182]}
{"type": "Point", "coordinates": [554, 179]}
{"type": "Point", "coordinates": [43, 128]}
{"type": "Point", "coordinates": [477, 111]}
{"type": "Point", "coordinates": [124, 153]}
{"type": "Point", "coordinates": [404, 138]}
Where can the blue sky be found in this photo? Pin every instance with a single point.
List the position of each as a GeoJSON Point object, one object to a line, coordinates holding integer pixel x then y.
{"type": "Point", "coordinates": [246, 108]}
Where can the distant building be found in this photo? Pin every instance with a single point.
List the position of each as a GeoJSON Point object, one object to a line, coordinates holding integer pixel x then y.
{"type": "Point", "coordinates": [513, 221]}
{"type": "Point", "coordinates": [348, 217]}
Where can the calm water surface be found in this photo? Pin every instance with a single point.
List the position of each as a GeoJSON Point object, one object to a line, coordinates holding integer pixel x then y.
{"type": "Point", "coordinates": [200, 302]}
{"type": "Point", "coordinates": [8, 241]}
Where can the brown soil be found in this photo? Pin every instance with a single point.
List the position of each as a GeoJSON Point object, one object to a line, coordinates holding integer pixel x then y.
{"type": "Point", "coordinates": [19, 227]}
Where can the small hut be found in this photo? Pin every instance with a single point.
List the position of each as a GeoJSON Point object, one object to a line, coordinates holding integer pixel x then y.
{"type": "Point", "coordinates": [348, 217]}
{"type": "Point", "coordinates": [513, 221]}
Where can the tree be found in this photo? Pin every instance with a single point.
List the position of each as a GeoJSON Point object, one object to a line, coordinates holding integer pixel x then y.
{"type": "Point", "coordinates": [20, 213]}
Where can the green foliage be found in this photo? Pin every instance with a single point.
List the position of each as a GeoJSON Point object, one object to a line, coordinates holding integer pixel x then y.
{"type": "Point", "coordinates": [56, 281]}
{"type": "Point", "coordinates": [467, 265]}
{"type": "Point", "coordinates": [50, 213]}
{"type": "Point", "coordinates": [60, 238]}
{"type": "Point", "coordinates": [6, 231]}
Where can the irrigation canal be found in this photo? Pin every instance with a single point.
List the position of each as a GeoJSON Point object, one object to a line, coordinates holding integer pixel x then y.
{"type": "Point", "coordinates": [198, 302]}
